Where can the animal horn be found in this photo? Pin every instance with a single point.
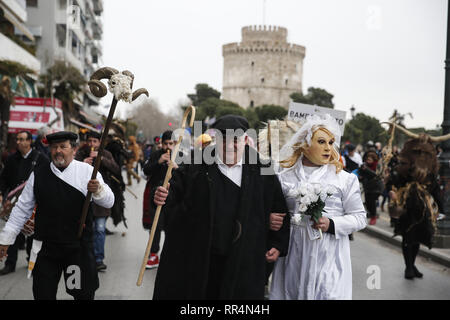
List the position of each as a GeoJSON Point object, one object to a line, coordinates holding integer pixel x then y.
{"type": "Point", "coordinates": [97, 88]}
{"type": "Point", "coordinates": [405, 131]}
{"type": "Point", "coordinates": [440, 138]}
{"type": "Point", "coordinates": [139, 92]}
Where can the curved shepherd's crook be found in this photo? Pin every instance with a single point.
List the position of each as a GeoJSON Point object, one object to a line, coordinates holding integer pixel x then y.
{"type": "Point", "coordinates": [191, 110]}
{"type": "Point", "coordinates": [99, 90]}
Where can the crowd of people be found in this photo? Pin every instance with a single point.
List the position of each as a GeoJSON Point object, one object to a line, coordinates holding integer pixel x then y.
{"type": "Point", "coordinates": [231, 227]}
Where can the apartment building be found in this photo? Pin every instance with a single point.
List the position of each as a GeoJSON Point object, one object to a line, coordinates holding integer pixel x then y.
{"type": "Point", "coordinates": [17, 45]}
{"type": "Point", "coordinates": [71, 31]}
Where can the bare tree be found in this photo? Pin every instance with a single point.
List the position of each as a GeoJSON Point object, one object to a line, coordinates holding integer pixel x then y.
{"type": "Point", "coordinates": [151, 120]}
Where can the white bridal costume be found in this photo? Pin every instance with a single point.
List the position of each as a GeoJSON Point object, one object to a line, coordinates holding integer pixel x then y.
{"type": "Point", "coordinates": [319, 269]}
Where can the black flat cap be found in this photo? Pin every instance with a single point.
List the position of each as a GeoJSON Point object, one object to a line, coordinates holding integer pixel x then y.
{"type": "Point", "coordinates": [232, 122]}
{"type": "Point", "coordinates": [94, 134]}
{"type": "Point", "coordinates": [62, 136]}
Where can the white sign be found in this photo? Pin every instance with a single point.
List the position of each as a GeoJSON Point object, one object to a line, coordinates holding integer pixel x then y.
{"type": "Point", "coordinates": [299, 111]}
{"type": "Point", "coordinates": [31, 114]}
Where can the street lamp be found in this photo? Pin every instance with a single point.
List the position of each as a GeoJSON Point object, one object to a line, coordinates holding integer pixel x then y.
{"type": "Point", "coordinates": [442, 238]}
{"type": "Point", "coordinates": [352, 110]}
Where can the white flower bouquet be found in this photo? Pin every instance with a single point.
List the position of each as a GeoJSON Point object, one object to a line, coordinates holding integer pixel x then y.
{"type": "Point", "coordinates": [311, 200]}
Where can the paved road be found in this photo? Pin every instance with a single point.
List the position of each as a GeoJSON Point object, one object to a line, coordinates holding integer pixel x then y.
{"type": "Point", "coordinates": [124, 253]}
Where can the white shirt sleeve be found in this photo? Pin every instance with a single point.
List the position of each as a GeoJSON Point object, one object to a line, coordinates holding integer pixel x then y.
{"type": "Point", "coordinates": [354, 218]}
{"type": "Point", "coordinates": [20, 214]}
{"type": "Point", "coordinates": [104, 197]}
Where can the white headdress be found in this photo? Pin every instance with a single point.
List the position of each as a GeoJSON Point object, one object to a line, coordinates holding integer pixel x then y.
{"type": "Point", "coordinates": [306, 132]}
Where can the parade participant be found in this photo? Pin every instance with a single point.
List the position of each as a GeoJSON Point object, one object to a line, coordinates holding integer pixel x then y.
{"type": "Point", "coordinates": [202, 141]}
{"type": "Point", "coordinates": [18, 168]}
{"type": "Point", "coordinates": [416, 196]}
{"type": "Point", "coordinates": [318, 268]}
{"type": "Point", "coordinates": [59, 190]}
{"type": "Point", "coordinates": [219, 237]}
{"type": "Point", "coordinates": [155, 169]}
{"type": "Point", "coordinates": [131, 162]}
{"type": "Point", "coordinates": [108, 169]}
{"type": "Point", "coordinates": [116, 146]}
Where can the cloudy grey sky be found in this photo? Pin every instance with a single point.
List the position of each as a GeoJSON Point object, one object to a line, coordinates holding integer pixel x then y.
{"type": "Point", "coordinates": [374, 54]}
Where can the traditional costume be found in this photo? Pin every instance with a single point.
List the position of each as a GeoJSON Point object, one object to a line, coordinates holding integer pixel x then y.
{"type": "Point", "coordinates": [59, 195]}
{"type": "Point", "coordinates": [320, 268]}
{"type": "Point", "coordinates": [218, 228]}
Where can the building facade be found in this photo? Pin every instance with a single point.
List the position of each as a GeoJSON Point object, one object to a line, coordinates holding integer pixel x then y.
{"type": "Point", "coordinates": [71, 35]}
{"type": "Point", "coordinates": [263, 68]}
{"type": "Point", "coordinates": [18, 49]}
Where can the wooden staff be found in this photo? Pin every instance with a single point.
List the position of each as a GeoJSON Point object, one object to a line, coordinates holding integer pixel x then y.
{"type": "Point", "coordinates": [128, 189]}
{"type": "Point", "coordinates": [191, 110]}
{"type": "Point", "coordinates": [99, 90]}
{"type": "Point", "coordinates": [98, 161]}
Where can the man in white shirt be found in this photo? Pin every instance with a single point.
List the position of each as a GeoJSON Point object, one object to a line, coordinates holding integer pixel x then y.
{"type": "Point", "coordinates": [57, 190]}
{"type": "Point", "coordinates": [219, 238]}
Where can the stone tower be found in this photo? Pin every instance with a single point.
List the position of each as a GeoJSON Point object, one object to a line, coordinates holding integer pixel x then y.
{"type": "Point", "coordinates": [262, 69]}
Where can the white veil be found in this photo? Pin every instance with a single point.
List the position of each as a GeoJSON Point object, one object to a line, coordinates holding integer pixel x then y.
{"type": "Point", "coordinates": [305, 133]}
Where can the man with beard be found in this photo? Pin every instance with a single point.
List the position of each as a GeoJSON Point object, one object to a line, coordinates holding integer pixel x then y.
{"type": "Point", "coordinates": [155, 168]}
{"type": "Point", "coordinates": [18, 168]}
{"type": "Point", "coordinates": [59, 191]}
{"type": "Point", "coordinates": [219, 219]}
{"type": "Point", "coordinates": [108, 169]}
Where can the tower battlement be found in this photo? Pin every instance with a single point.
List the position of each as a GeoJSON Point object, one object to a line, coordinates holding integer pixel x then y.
{"type": "Point", "coordinates": [237, 48]}
{"type": "Point", "coordinates": [273, 34]}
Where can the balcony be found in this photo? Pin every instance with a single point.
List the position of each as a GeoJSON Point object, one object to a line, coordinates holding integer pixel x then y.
{"type": "Point", "coordinates": [16, 7]}
{"type": "Point", "coordinates": [62, 54]}
{"type": "Point", "coordinates": [12, 51]}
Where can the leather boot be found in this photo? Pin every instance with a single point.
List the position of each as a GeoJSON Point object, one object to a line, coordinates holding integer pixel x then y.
{"type": "Point", "coordinates": [414, 251]}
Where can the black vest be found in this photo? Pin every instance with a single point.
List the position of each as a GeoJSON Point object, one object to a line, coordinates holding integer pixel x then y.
{"type": "Point", "coordinates": [228, 196]}
{"type": "Point", "coordinates": [59, 207]}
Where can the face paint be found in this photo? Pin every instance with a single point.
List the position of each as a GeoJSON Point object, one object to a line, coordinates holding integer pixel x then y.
{"type": "Point", "coordinates": [319, 152]}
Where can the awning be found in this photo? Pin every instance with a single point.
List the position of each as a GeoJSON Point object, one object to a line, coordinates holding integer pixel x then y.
{"type": "Point", "coordinates": [19, 25]}
{"type": "Point", "coordinates": [83, 125]}
{"type": "Point", "coordinates": [91, 116]}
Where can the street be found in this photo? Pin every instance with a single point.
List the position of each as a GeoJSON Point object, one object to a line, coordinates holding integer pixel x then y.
{"type": "Point", "coordinates": [125, 249]}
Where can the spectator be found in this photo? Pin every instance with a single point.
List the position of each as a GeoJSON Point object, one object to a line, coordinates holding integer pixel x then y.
{"type": "Point", "coordinates": [372, 184]}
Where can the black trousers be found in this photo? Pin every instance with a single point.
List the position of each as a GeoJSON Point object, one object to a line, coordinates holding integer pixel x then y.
{"type": "Point", "coordinates": [371, 203]}
{"type": "Point", "coordinates": [410, 249]}
{"type": "Point", "coordinates": [156, 239]}
{"type": "Point", "coordinates": [76, 263]}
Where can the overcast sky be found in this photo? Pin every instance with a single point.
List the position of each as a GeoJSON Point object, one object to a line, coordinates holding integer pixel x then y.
{"type": "Point", "coordinates": [374, 54]}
